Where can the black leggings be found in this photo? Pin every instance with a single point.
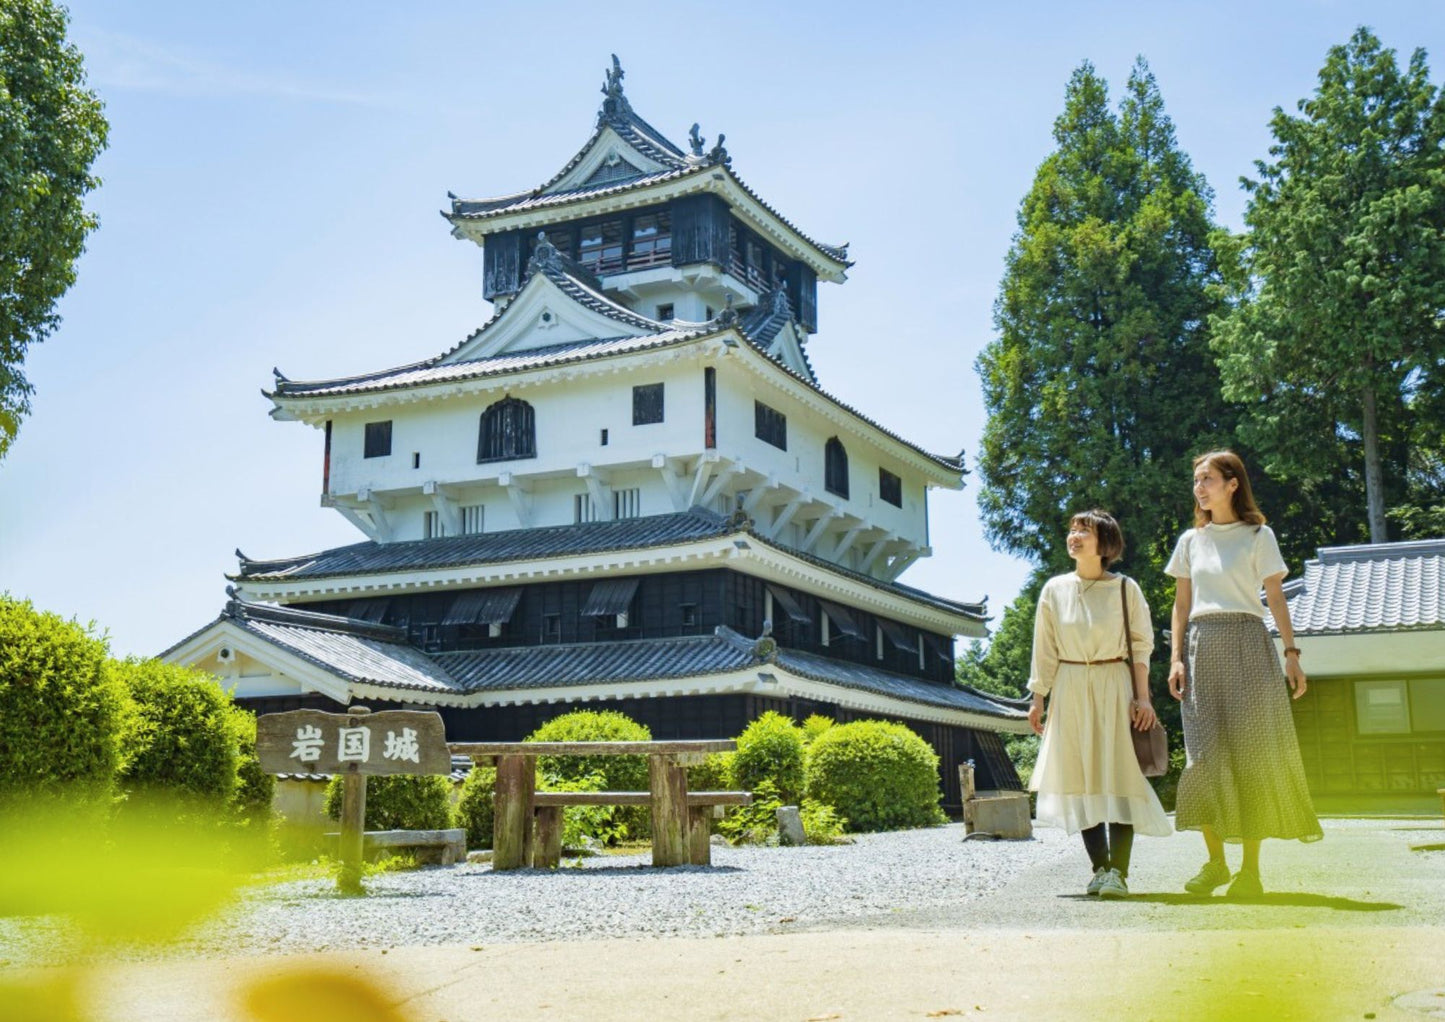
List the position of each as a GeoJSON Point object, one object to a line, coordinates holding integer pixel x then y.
{"type": "Point", "coordinates": [1111, 852]}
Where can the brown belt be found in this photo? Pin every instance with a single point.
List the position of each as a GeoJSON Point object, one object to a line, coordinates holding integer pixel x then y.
{"type": "Point", "coordinates": [1094, 663]}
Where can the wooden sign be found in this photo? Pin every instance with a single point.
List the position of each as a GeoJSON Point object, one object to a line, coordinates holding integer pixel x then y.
{"type": "Point", "coordinates": [317, 742]}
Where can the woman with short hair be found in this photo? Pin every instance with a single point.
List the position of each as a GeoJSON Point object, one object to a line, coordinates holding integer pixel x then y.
{"type": "Point", "coordinates": [1087, 775]}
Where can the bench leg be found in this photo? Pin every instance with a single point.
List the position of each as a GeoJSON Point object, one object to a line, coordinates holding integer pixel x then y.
{"type": "Point", "coordinates": [512, 820]}
{"type": "Point", "coordinates": [699, 836]}
{"type": "Point", "coordinates": [547, 838]}
{"type": "Point", "coordinates": [669, 810]}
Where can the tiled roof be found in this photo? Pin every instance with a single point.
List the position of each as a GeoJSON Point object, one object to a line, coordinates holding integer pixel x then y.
{"type": "Point", "coordinates": [596, 662]}
{"type": "Point", "coordinates": [762, 323]}
{"type": "Point", "coordinates": [699, 523]}
{"type": "Point", "coordinates": [1376, 587]}
{"type": "Point", "coordinates": [355, 650]}
{"type": "Point", "coordinates": [492, 547]}
{"type": "Point", "coordinates": [914, 690]}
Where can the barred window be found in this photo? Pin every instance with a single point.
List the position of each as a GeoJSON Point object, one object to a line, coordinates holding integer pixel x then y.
{"type": "Point", "coordinates": [473, 518]}
{"type": "Point", "coordinates": [627, 503]}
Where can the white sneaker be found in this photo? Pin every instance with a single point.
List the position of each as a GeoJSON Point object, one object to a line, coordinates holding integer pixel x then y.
{"type": "Point", "coordinates": [1113, 885]}
{"type": "Point", "coordinates": [1097, 881]}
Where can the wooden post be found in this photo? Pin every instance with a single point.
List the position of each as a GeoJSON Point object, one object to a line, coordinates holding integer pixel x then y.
{"type": "Point", "coordinates": [699, 835]}
{"type": "Point", "coordinates": [966, 793]}
{"type": "Point", "coordinates": [547, 847]}
{"type": "Point", "coordinates": [669, 810]}
{"type": "Point", "coordinates": [353, 818]}
{"type": "Point", "coordinates": [512, 816]}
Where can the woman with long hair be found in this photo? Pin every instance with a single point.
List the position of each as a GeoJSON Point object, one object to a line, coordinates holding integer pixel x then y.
{"type": "Point", "coordinates": [1244, 780]}
{"type": "Point", "coordinates": [1087, 776]}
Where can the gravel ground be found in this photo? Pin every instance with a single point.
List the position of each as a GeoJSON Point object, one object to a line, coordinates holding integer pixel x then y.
{"type": "Point", "coordinates": [928, 879]}
{"type": "Point", "coordinates": [745, 891]}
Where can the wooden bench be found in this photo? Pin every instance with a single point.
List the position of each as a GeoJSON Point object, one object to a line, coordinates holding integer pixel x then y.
{"type": "Point", "coordinates": [702, 806]}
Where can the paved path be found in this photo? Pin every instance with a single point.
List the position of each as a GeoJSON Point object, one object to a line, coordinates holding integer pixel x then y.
{"type": "Point", "coordinates": [1351, 923]}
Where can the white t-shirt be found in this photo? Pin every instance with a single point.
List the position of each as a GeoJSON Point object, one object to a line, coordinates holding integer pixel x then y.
{"type": "Point", "coordinates": [1225, 565]}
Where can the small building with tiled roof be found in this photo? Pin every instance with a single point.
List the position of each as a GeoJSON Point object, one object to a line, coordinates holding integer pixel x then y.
{"type": "Point", "coordinates": [627, 488]}
{"type": "Point", "coordinates": [1370, 623]}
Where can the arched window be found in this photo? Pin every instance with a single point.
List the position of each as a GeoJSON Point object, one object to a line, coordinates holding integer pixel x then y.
{"type": "Point", "coordinates": [508, 431]}
{"type": "Point", "coordinates": [835, 468]}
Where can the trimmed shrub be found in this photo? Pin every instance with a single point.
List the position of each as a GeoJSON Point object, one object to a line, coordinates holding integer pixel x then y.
{"type": "Point", "coordinates": [758, 823]}
{"type": "Point", "coordinates": [771, 749]}
{"type": "Point", "coordinates": [620, 773]}
{"type": "Point", "coordinates": [714, 773]}
{"type": "Point", "coordinates": [182, 736]}
{"type": "Point", "coordinates": [61, 709]}
{"type": "Point", "coordinates": [400, 801]}
{"type": "Point", "coordinates": [878, 774]}
{"type": "Point", "coordinates": [475, 810]}
{"type": "Point", "coordinates": [254, 787]}
{"type": "Point", "coordinates": [815, 726]}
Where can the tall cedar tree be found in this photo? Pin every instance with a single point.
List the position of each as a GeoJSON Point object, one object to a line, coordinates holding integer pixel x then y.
{"type": "Point", "coordinates": [51, 130]}
{"type": "Point", "coordinates": [1100, 384]}
{"type": "Point", "coordinates": [1335, 341]}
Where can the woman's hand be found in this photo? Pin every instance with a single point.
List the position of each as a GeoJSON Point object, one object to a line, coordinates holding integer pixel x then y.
{"type": "Point", "coordinates": [1176, 679]}
{"type": "Point", "coordinates": [1141, 711]}
{"type": "Point", "coordinates": [1295, 675]}
{"type": "Point", "coordinates": [1036, 716]}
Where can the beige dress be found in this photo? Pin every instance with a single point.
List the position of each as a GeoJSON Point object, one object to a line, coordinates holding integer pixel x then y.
{"type": "Point", "coordinates": [1086, 772]}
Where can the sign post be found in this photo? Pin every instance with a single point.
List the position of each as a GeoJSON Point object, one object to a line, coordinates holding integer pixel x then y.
{"type": "Point", "coordinates": [353, 744]}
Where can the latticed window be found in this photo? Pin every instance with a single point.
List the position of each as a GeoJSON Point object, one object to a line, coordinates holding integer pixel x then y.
{"type": "Point", "coordinates": [627, 503]}
{"type": "Point", "coordinates": [473, 518]}
{"type": "Point", "coordinates": [835, 467]}
{"type": "Point", "coordinates": [378, 439]}
{"type": "Point", "coordinates": [646, 404]}
{"type": "Point", "coordinates": [890, 487]}
{"type": "Point", "coordinates": [508, 431]}
{"type": "Point", "coordinates": [770, 425]}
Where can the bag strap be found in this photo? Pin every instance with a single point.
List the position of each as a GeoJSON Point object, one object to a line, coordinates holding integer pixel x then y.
{"type": "Point", "coordinates": [1128, 632]}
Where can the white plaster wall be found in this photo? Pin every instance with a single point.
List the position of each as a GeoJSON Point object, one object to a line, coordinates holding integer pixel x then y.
{"type": "Point", "coordinates": [570, 416]}
{"type": "Point", "coordinates": [801, 465]}
{"type": "Point", "coordinates": [1400, 653]}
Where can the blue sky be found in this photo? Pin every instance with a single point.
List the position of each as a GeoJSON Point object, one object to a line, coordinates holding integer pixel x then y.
{"type": "Point", "coordinates": [275, 170]}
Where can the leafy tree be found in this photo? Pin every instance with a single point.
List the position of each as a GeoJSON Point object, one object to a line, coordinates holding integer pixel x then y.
{"type": "Point", "coordinates": [1335, 330]}
{"type": "Point", "coordinates": [1100, 384]}
{"type": "Point", "coordinates": [51, 130]}
{"type": "Point", "coordinates": [184, 736]}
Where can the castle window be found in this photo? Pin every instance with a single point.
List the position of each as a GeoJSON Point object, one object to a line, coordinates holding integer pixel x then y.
{"type": "Point", "coordinates": [599, 247]}
{"type": "Point", "coordinates": [473, 518]}
{"type": "Point", "coordinates": [665, 312]}
{"type": "Point", "coordinates": [651, 240]}
{"type": "Point", "coordinates": [835, 468]}
{"type": "Point", "coordinates": [582, 509]}
{"type": "Point", "coordinates": [890, 487]}
{"type": "Point", "coordinates": [646, 404]}
{"type": "Point", "coordinates": [432, 525]}
{"type": "Point", "coordinates": [508, 431]}
{"type": "Point", "coordinates": [770, 425]}
{"type": "Point", "coordinates": [378, 439]}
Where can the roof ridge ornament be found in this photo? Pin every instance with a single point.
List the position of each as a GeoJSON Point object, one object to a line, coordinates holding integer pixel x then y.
{"type": "Point", "coordinates": [545, 256]}
{"type": "Point", "coordinates": [718, 154]}
{"type": "Point", "coordinates": [778, 303]}
{"type": "Point", "coordinates": [728, 316]}
{"type": "Point", "coordinates": [695, 141]}
{"type": "Point", "coordinates": [615, 108]}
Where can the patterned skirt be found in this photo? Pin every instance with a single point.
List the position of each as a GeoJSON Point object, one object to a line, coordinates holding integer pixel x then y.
{"type": "Point", "coordinates": [1243, 777]}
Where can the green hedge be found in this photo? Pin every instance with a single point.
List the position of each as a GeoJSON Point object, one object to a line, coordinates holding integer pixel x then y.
{"type": "Point", "coordinates": [400, 801]}
{"type": "Point", "coordinates": [877, 774]}
{"type": "Point", "coordinates": [617, 773]}
{"type": "Point", "coordinates": [62, 710]}
{"type": "Point", "coordinates": [771, 749]}
{"type": "Point", "coordinates": [475, 810]}
{"type": "Point", "coordinates": [255, 788]}
{"type": "Point", "coordinates": [182, 736]}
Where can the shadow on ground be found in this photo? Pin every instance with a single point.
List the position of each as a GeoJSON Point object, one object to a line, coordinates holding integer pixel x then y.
{"type": "Point", "coordinates": [1266, 900]}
